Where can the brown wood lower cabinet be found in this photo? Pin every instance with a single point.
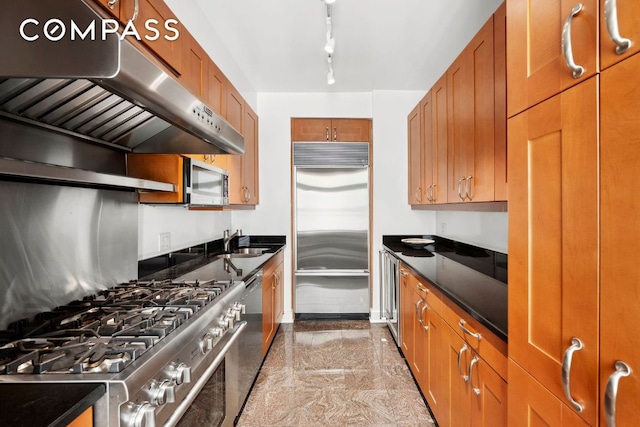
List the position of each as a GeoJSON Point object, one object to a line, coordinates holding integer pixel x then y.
{"type": "Point", "coordinates": [531, 404]}
{"type": "Point", "coordinates": [272, 299]}
{"type": "Point", "coordinates": [83, 420]}
{"type": "Point", "coordinates": [461, 386]}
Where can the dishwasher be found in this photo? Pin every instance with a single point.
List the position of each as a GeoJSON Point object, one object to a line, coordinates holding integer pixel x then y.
{"type": "Point", "coordinates": [250, 342]}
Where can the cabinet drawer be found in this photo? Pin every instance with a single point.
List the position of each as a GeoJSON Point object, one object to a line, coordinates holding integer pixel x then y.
{"type": "Point", "coordinates": [488, 346]}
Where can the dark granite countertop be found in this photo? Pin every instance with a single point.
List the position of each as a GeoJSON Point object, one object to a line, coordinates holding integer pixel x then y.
{"type": "Point", "coordinates": [46, 404]}
{"type": "Point", "coordinates": [472, 277]}
{"type": "Point", "coordinates": [203, 264]}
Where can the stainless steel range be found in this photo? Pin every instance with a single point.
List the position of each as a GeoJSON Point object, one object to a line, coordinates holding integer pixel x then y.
{"type": "Point", "coordinates": [156, 345]}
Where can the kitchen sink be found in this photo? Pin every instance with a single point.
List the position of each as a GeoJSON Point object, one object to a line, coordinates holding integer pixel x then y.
{"type": "Point", "coordinates": [244, 253]}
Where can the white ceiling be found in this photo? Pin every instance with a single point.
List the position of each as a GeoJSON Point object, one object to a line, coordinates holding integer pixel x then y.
{"type": "Point", "coordinates": [380, 44]}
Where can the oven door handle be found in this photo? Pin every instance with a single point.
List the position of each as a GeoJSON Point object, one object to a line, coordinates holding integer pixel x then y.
{"type": "Point", "coordinates": [204, 378]}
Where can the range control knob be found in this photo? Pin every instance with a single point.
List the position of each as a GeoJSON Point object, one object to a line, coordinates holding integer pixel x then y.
{"type": "Point", "coordinates": [138, 415]}
{"type": "Point", "coordinates": [179, 373]}
{"type": "Point", "coordinates": [206, 343]}
{"type": "Point", "coordinates": [237, 310]}
{"type": "Point", "coordinates": [161, 392]}
{"type": "Point", "coordinates": [217, 331]}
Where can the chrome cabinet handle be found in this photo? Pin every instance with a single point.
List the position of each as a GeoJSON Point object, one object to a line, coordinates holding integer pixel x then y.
{"type": "Point", "coordinates": [327, 129]}
{"type": "Point", "coordinates": [403, 273]}
{"type": "Point", "coordinates": [136, 10]}
{"type": "Point", "coordinates": [112, 4]}
{"type": "Point", "coordinates": [335, 134]}
{"type": "Point", "coordinates": [422, 322]}
{"type": "Point", "coordinates": [467, 185]}
{"type": "Point", "coordinates": [611, 393]}
{"type": "Point", "coordinates": [433, 198]}
{"type": "Point", "coordinates": [567, 50]}
{"type": "Point", "coordinates": [459, 189]}
{"type": "Point", "coordinates": [421, 288]}
{"type": "Point", "coordinates": [476, 390]}
{"type": "Point", "coordinates": [428, 193]}
{"type": "Point", "coordinates": [464, 329]}
{"type": "Point", "coordinates": [418, 304]}
{"type": "Point", "coordinates": [462, 350]}
{"type": "Point", "coordinates": [611, 19]}
{"type": "Point", "coordinates": [576, 345]}
{"type": "Point", "coordinates": [417, 194]}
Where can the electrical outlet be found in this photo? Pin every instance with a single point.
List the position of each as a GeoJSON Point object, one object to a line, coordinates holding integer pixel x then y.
{"type": "Point", "coordinates": [164, 241]}
{"type": "Point", "coordinates": [443, 227]}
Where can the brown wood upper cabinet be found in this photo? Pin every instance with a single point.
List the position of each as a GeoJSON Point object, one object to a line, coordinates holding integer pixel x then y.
{"type": "Point", "coordinates": [169, 51]}
{"type": "Point", "coordinates": [194, 66]}
{"type": "Point", "coordinates": [243, 169]}
{"type": "Point", "coordinates": [339, 130]}
{"type": "Point", "coordinates": [538, 56]}
{"type": "Point", "coordinates": [470, 95]}
{"type": "Point", "coordinates": [462, 136]}
{"type": "Point", "coordinates": [414, 129]}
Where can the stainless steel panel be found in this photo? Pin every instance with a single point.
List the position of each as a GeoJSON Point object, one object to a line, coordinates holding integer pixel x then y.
{"type": "Point", "coordinates": [390, 293]}
{"type": "Point", "coordinates": [62, 243]}
{"type": "Point", "coordinates": [42, 57]}
{"type": "Point", "coordinates": [61, 93]}
{"type": "Point", "coordinates": [53, 173]}
{"type": "Point", "coordinates": [331, 294]}
{"type": "Point", "coordinates": [332, 218]}
{"type": "Point", "coordinates": [332, 154]}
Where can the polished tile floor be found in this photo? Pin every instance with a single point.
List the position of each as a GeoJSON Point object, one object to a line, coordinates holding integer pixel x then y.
{"type": "Point", "coordinates": [334, 373]}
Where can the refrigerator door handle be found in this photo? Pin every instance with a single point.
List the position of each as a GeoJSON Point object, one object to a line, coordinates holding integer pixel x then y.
{"type": "Point", "coordinates": [337, 273]}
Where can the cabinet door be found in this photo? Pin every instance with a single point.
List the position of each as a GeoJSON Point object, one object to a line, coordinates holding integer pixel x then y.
{"type": "Point", "coordinates": [415, 158]}
{"type": "Point", "coordinates": [279, 296]}
{"type": "Point", "coordinates": [235, 107]}
{"type": "Point", "coordinates": [531, 405]}
{"type": "Point", "coordinates": [313, 130]}
{"type": "Point", "coordinates": [459, 401]}
{"type": "Point", "coordinates": [434, 385]}
{"type": "Point", "coordinates": [626, 14]}
{"type": "Point", "coordinates": [237, 193]}
{"type": "Point", "coordinates": [537, 68]}
{"type": "Point", "coordinates": [500, 108]}
{"type": "Point", "coordinates": [407, 316]}
{"type": "Point", "coordinates": [479, 151]}
{"type": "Point", "coordinates": [553, 241]}
{"type": "Point", "coordinates": [250, 157]}
{"type": "Point", "coordinates": [169, 51]}
{"type": "Point", "coordinates": [194, 66]}
{"type": "Point", "coordinates": [460, 124]}
{"type": "Point", "coordinates": [351, 130]}
{"type": "Point", "coordinates": [620, 233]}
{"type": "Point", "coordinates": [268, 314]}
{"type": "Point", "coordinates": [488, 396]}
{"type": "Point", "coordinates": [427, 148]}
{"type": "Point", "coordinates": [216, 89]}
{"type": "Point", "coordinates": [438, 152]}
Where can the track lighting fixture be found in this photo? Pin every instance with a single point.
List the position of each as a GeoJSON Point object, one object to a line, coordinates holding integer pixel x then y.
{"type": "Point", "coordinates": [330, 78]}
{"type": "Point", "coordinates": [330, 43]}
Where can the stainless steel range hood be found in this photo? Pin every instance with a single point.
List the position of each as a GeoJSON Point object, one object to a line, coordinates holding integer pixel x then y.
{"type": "Point", "coordinates": [139, 108]}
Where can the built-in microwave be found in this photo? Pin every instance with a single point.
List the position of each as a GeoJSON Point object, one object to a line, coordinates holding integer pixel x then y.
{"type": "Point", "coordinates": [205, 184]}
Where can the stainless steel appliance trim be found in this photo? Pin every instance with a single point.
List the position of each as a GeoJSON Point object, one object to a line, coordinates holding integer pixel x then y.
{"type": "Point", "coordinates": [331, 273]}
{"type": "Point", "coordinates": [46, 172]}
{"type": "Point", "coordinates": [184, 405]}
{"type": "Point", "coordinates": [195, 199]}
{"type": "Point", "coordinates": [331, 154]}
{"type": "Point", "coordinates": [121, 79]}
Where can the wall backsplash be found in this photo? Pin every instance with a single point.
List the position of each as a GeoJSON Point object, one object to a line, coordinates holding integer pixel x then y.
{"type": "Point", "coordinates": [184, 228]}
{"type": "Point", "coordinates": [62, 243]}
{"type": "Point", "coordinates": [484, 229]}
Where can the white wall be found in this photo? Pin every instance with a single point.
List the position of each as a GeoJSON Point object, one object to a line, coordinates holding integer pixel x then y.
{"type": "Point", "coordinates": [484, 229]}
{"type": "Point", "coordinates": [193, 18]}
{"type": "Point", "coordinates": [187, 228]}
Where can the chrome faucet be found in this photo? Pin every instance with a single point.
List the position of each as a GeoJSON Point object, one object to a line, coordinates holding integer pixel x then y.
{"type": "Point", "coordinates": [229, 265]}
{"type": "Point", "coordinates": [226, 238]}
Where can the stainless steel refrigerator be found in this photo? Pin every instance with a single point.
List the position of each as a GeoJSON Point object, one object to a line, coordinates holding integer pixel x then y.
{"type": "Point", "coordinates": [331, 230]}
